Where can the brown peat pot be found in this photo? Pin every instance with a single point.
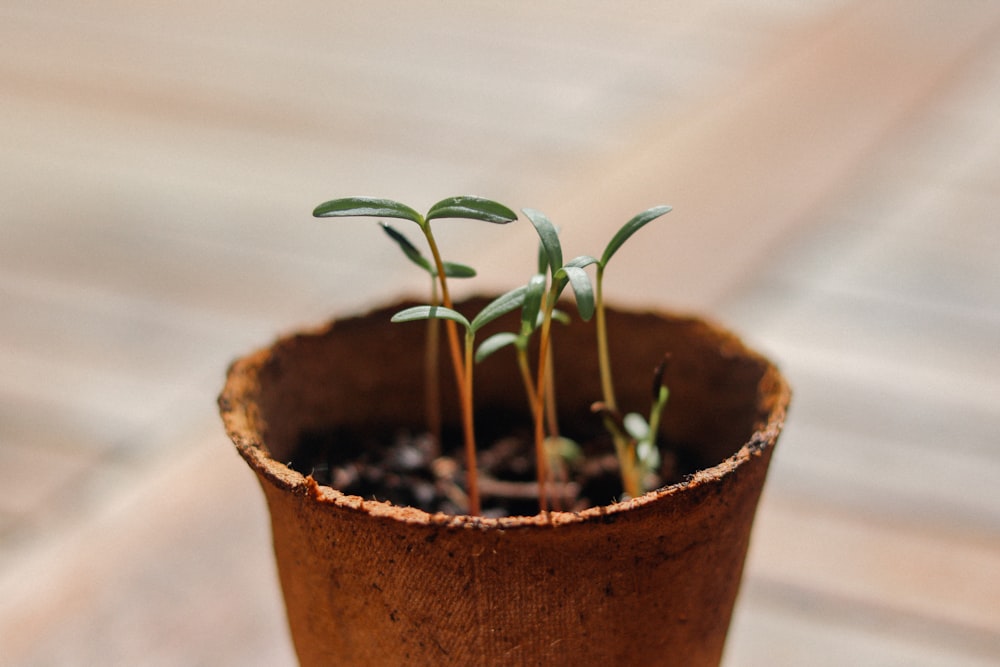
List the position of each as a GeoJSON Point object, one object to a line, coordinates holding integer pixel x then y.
{"type": "Point", "coordinates": [649, 581]}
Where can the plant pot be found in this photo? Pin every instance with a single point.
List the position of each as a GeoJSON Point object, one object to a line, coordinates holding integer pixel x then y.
{"type": "Point", "coordinates": [649, 581]}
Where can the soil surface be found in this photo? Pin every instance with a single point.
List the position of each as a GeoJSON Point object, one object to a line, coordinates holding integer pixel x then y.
{"type": "Point", "coordinates": [413, 469]}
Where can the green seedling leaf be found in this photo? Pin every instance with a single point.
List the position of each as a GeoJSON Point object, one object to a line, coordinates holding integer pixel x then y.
{"type": "Point", "coordinates": [495, 342]}
{"type": "Point", "coordinates": [367, 206]}
{"type": "Point", "coordinates": [582, 261]}
{"type": "Point", "coordinates": [543, 260]}
{"type": "Point", "coordinates": [456, 270]}
{"type": "Point", "coordinates": [561, 316]}
{"type": "Point", "coordinates": [583, 290]}
{"type": "Point", "coordinates": [648, 455]}
{"type": "Point", "coordinates": [472, 208]}
{"type": "Point", "coordinates": [532, 303]}
{"type": "Point", "coordinates": [630, 228]}
{"type": "Point", "coordinates": [563, 449]}
{"type": "Point", "coordinates": [451, 269]}
{"type": "Point", "coordinates": [549, 236]}
{"type": "Point", "coordinates": [408, 248]}
{"type": "Point", "coordinates": [561, 276]}
{"type": "Point", "coordinates": [428, 312]}
{"type": "Point", "coordinates": [636, 425]}
{"type": "Point", "coordinates": [501, 305]}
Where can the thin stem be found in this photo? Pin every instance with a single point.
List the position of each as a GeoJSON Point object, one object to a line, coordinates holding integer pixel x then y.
{"type": "Point", "coordinates": [432, 375]}
{"type": "Point", "coordinates": [630, 473]}
{"type": "Point", "coordinates": [551, 413]}
{"type": "Point", "coordinates": [451, 327]}
{"type": "Point", "coordinates": [541, 457]}
{"type": "Point", "coordinates": [472, 474]}
{"type": "Point", "coordinates": [603, 358]}
{"type": "Point", "coordinates": [522, 365]}
{"type": "Point", "coordinates": [624, 449]}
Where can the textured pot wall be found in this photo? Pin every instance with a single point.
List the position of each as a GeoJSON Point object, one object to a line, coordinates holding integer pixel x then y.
{"type": "Point", "coordinates": [648, 582]}
{"type": "Point", "coordinates": [372, 370]}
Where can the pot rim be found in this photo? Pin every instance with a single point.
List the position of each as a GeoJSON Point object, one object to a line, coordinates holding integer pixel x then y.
{"type": "Point", "coordinates": [773, 396]}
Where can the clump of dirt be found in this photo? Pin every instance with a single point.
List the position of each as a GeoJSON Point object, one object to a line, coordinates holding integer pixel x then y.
{"type": "Point", "coordinates": [411, 468]}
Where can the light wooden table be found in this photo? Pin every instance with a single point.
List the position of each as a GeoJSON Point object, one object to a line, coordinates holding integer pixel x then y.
{"type": "Point", "coordinates": [835, 172]}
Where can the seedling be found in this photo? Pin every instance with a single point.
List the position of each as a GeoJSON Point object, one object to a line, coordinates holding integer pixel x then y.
{"type": "Point", "coordinates": [432, 382]}
{"type": "Point", "coordinates": [634, 436]}
{"type": "Point", "coordinates": [471, 208]}
{"type": "Point", "coordinates": [631, 477]}
{"type": "Point", "coordinates": [499, 306]}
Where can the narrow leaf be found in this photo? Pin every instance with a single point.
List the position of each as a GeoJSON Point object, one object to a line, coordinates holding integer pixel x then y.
{"type": "Point", "coordinates": [582, 261]}
{"type": "Point", "coordinates": [630, 228]}
{"type": "Point", "coordinates": [549, 236]}
{"type": "Point", "coordinates": [495, 342]}
{"type": "Point", "coordinates": [501, 305]}
{"type": "Point", "coordinates": [408, 248]}
{"type": "Point", "coordinates": [636, 426]}
{"type": "Point", "coordinates": [367, 206]}
{"type": "Point", "coordinates": [451, 269]}
{"type": "Point", "coordinates": [543, 259]}
{"type": "Point", "coordinates": [532, 303]}
{"type": "Point", "coordinates": [456, 270]}
{"type": "Point", "coordinates": [473, 208]}
{"type": "Point", "coordinates": [561, 316]}
{"type": "Point", "coordinates": [428, 312]}
{"type": "Point", "coordinates": [583, 290]}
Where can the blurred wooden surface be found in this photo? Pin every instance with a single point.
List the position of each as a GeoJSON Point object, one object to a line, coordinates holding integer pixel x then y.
{"type": "Point", "coordinates": [835, 172]}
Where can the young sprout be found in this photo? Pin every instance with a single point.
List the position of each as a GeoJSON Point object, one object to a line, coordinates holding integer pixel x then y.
{"type": "Point", "coordinates": [560, 275]}
{"type": "Point", "coordinates": [627, 464]}
{"type": "Point", "coordinates": [499, 306]}
{"type": "Point", "coordinates": [432, 382]}
{"type": "Point", "coordinates": [559, 450]}
{"type": "Point", "coordinates": [465, 207]}
{"type": "Point", "coordinates": [638, 455]}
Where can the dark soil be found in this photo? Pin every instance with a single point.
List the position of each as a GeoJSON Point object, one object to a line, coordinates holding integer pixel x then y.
{"type": "Point", "coordinates": [410, 468]}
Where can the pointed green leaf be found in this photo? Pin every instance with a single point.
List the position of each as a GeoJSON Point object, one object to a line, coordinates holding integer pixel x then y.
{"type": "Point", "coordinates": [428, 312]}
{"type": "Point", "coordinates": [532, 303]}
{"type": "Point", "coordinates": [636, 426]}
{"type": "Point", "coordinates": [543, 260]}
{"type": "Point", "coordinates": [549, 236]}
{"type": "Point", "coordinates": [501, 305]}
{"type": "Point", "coordinates": [367, 206]}
{"type": "Point", "coordinates": [583, 290]}
{"type": "Point", "coordinates": [494, 343]}
{"type": "Point", "coordinates": [582, 261]}
{"type": "Point", "coordinates": [630, 228]}
{"type": "Point", "coordinates": [408, 248]}
{"type": "Point", "coordinates": [451, 269]}
{"type": "Point", "coordinates": [473, 208]}
{"type": "Point", "coordinates": [563, 448]}
{"type": "Point", "coordinates": [648, 455]}
{"type": "Point", "coordinates": [561, 316]}
{"type": "Point", "coordinates": [456, 270]}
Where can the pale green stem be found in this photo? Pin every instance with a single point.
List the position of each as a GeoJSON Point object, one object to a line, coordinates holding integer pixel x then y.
{"type": "Point", "coordinates": [603, 357]}
{"type": "Point", "coordinates": [541, 457]}
{"type": "Point", "coordinates": [432, 376]}
{"type": "Point", "coordinates": [624, 449]}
